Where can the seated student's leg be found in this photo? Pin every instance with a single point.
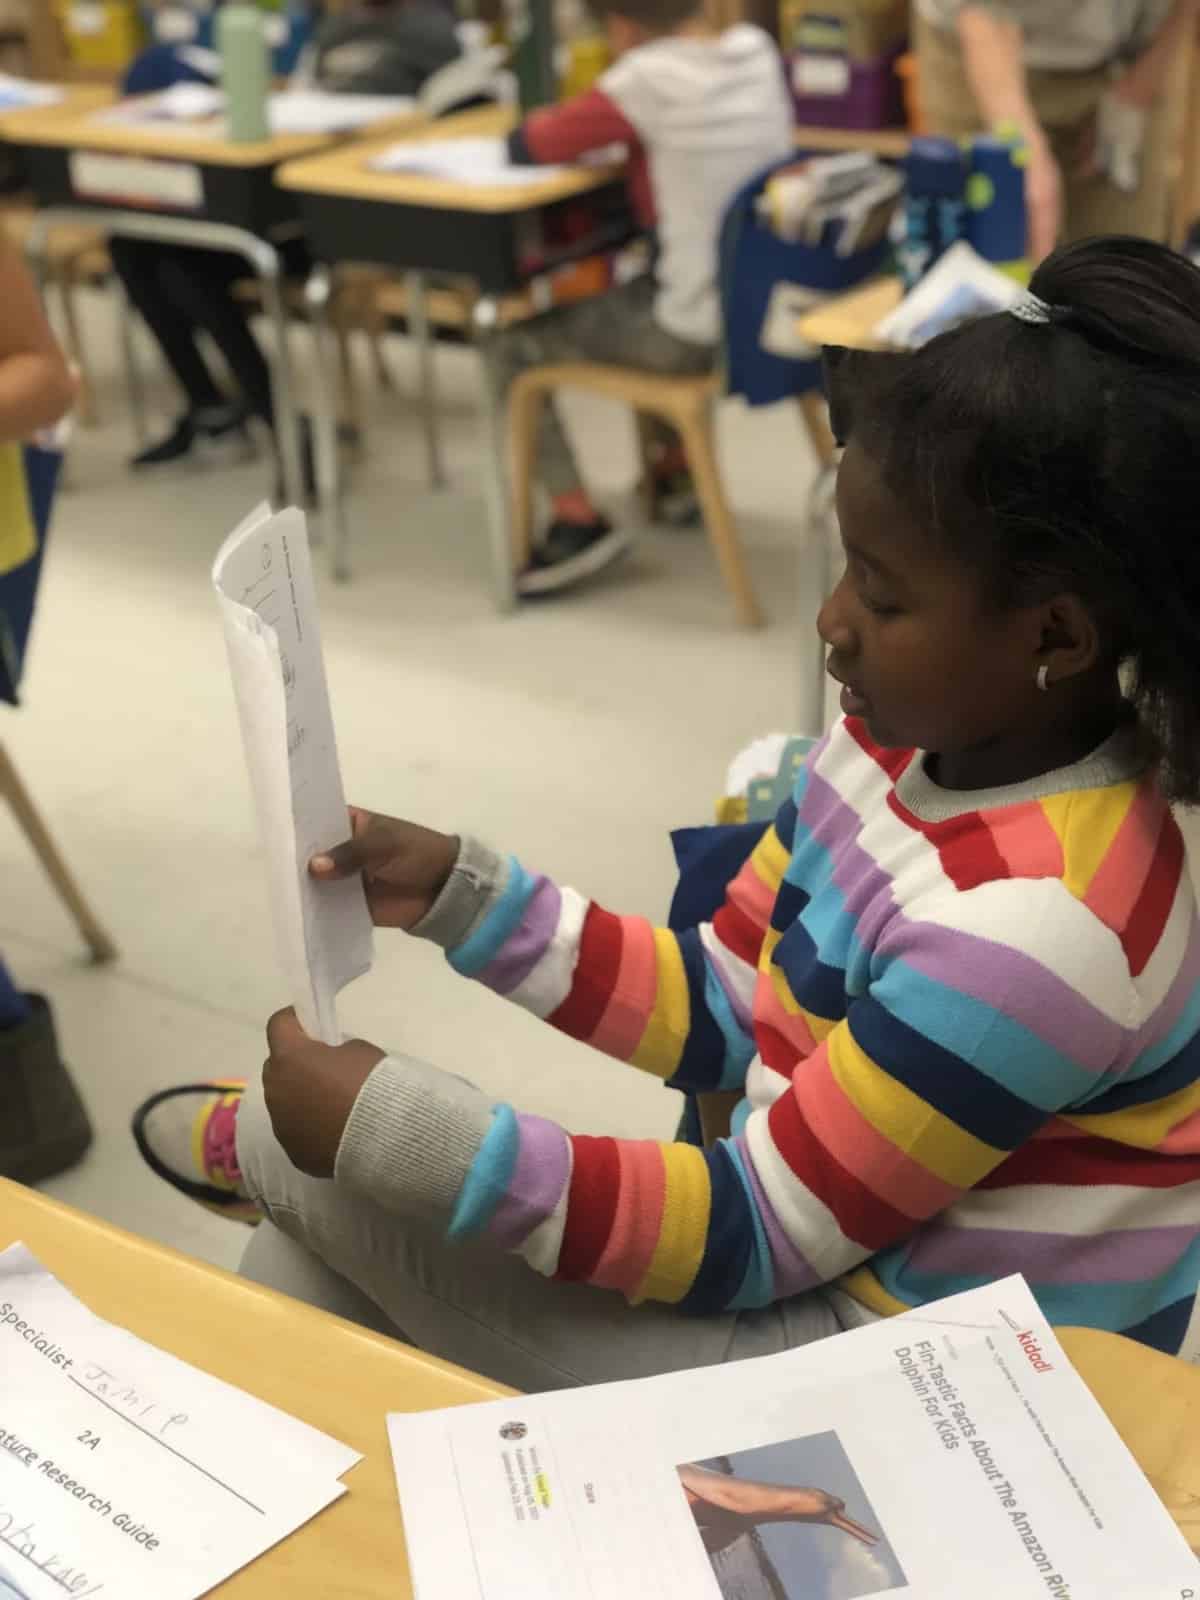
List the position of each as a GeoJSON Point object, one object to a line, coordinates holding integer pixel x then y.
{"type": "Point", "coordinates": [209, 300]}
{"type": "Point", "coordinates": [473, 1305]}
{"type": "Point", "coordinates": [275, 1260]}
{"type": "Point", "coordinates": [144, 269]}
{"type": "Point", "coordinates": [618, 328]}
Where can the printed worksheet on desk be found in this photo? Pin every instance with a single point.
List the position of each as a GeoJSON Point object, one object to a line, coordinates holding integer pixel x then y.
{"type": "Point", "coordinates": [949, 1451]}
{"type": "Point", "coordinates": [125, 1472]}
{"type": "Point", "coordinates": [264, 583]}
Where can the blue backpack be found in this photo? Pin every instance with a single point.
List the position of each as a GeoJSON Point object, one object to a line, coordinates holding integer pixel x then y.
{"type": "Point", "coordinates": [753, 262]}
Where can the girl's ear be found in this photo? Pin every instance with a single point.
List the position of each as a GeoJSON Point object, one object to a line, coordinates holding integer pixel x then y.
{"type": "Point", "coordinates": [847, 373]}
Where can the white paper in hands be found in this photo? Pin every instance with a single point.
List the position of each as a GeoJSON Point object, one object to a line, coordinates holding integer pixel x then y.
{"type": "Point", "coordinates": [263, 579]}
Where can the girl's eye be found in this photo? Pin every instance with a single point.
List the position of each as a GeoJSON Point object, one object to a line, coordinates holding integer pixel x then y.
{"type": "Point", "coordinates": [860, 581]}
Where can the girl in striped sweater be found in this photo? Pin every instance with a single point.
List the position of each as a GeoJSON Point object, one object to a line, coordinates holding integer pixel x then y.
{"type": "Point", "coordinates": [957, 982]}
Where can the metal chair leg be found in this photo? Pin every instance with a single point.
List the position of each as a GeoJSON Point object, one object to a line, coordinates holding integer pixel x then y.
{"type": "Point", "coordinates": [318, 292]}
{"type": "Point", "coordinates": [422, 334]}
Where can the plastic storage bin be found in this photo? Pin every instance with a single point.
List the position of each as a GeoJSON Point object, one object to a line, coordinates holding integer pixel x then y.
{"type": "Point", "coordinates": [101, 35]}
{"type": "Point", "coordinates": [835, 91]}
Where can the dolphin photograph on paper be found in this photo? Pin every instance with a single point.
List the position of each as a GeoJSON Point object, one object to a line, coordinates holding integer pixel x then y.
{"type": "Point", "coordinates": [789, 1521]}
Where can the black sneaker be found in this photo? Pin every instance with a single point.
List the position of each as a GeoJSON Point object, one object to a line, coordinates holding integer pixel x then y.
{"type": "Point", "coordinates": [673, 499]}
{"type": "Point", "coordinates": [43, 1125]}
{"type": "Point", "coordinates": [215, 435]}
{"type": "Point", "coordinates": [570, 552]}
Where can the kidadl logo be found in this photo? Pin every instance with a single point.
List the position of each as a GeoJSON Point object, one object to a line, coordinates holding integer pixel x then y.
{"type": "Point", "coordinates": [1033, 1353]}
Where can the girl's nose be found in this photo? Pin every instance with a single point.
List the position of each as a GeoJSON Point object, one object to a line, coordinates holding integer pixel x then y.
{"type": "Point", "coordinates": [834, 626]}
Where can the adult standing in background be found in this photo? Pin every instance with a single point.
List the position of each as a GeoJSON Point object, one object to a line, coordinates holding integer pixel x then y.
{"type": "Point", "coordinates": [1096, 87]}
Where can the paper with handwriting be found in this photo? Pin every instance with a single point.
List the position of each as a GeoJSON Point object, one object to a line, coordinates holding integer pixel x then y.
{"type": "Point", "coordinates": [263, 579]}
{"type": "Point", "coordinates": [124, 1471]}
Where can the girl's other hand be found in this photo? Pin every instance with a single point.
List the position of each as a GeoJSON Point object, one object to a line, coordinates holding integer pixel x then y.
{"type": "Point", "coordinates": [310, 1090]}
{"type": "Point", "coordinates": [404, 867]}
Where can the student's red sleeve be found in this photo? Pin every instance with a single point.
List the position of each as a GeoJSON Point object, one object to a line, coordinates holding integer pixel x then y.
{"type": "Point", "coordinates": [588, 121]}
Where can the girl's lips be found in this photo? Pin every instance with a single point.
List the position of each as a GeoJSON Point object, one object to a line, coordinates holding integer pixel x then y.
{"type": "Point", "coordinates": [853, 705]}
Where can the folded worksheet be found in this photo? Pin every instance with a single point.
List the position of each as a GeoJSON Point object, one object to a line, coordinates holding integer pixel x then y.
{"type": "Point", "coordinates": [127, 1473]}
{"type": "Point", "coordinates": [264, 584]}
{"type": "Point", "coordinates": [950, 1451]}
{"type": "Point", "coordinates": [483, 162]}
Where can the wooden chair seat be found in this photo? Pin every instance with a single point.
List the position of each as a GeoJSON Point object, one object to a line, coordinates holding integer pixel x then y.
{"type": "Point", "coordinates": [685, 403]}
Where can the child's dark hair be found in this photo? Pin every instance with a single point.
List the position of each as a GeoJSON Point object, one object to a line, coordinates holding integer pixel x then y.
{"type": "Point", "coordinates": [656, 16]}
{"type": "Point", "coordinates": [1065, 456]}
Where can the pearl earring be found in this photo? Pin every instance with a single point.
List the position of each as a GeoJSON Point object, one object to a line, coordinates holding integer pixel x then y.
{"type": "Point", "coordinates": [1043, 674]}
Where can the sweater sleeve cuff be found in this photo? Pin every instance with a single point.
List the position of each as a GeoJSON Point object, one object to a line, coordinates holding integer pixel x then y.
{"type": "Point", "coordinates": [476, 882]}
{"type": "Point", "coordinates": [411, 1137]}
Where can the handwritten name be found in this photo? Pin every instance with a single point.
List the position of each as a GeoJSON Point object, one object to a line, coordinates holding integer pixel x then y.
{"type": "Point", "coordinates": [22, 1538]}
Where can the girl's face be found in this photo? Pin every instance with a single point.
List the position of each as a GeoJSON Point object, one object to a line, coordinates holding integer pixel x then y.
{"type": "Point", "coordinates": [922, 659]}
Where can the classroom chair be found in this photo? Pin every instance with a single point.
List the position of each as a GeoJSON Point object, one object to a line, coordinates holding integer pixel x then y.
{"type": "Point", "coordinates": [754, 263]}
{"type": "Point", "coordinates": [687, 404]}
{"type": "Point", "coordinates": [31, 823]}
{"type": "Point", "coordinates": [77, 259]}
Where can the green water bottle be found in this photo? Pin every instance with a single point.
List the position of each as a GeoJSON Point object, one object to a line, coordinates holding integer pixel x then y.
{"type": "Point", "coordinates": [241, 41]}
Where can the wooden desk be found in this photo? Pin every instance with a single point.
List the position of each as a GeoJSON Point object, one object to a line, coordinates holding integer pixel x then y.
{"type": "Point", "coordinates": [891, 143]}
{"type": "Point", "coordinates": [337, 1377]}
{"type": "Point", "coordinates": [850, 319]}
{"type": "Point", "coordinates": [272, 1347]}
{"type": "Point", "coordinates": [413, 221]}
{"type": "Point", "coordinates": [176, 186]}
{"type": "Point", "coordinates": [417, 224]}
{"type": "Point", "coordinates": [79, 99]}
{"type": "Point", "coordinates": [236, 180]}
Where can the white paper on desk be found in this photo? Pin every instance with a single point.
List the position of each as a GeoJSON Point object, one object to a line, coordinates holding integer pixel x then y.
{"type": "Point", "coordinates": [182, 102]}
{"type": "Point", "coordinates": [959, 286]}
{"type": "Point", "coordinates": [20, 92]}
{"type": "Point", "coordinates": [264, 584]}
{"type": "Point", "coordinates": [319, 111]}
{"type": "Point", "coordinates": [958, 1438]}
{"type": "Point", "coordinates": [108, 1443]}
{"type": "Point", "coordinates": [475, 161]}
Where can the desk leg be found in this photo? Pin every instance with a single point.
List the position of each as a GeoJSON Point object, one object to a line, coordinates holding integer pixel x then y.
{"type": "Point", "coordinates": [417, 301]}
{"type": "Point", "coordinates": [318, 292]}
{"type": "Point", "coordinates": [495, 472]}
{"type": "Point", "coordinates": [287, 433]}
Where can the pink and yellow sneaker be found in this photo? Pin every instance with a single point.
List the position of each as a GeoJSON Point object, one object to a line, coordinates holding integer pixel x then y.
{"type": "Point", "coordinates": [188, 1136]}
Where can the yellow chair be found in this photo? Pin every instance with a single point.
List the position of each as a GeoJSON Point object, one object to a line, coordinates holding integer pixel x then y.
{"type": "Point", "coordinates": [688, 405]}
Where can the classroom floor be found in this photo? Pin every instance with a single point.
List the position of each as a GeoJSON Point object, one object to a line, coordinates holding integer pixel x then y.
{"type": "Point", "coordinates": [576, 733]}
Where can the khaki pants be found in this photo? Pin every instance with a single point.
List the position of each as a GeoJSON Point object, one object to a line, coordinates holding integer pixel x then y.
{"type": "Point", "coordinates": [1065, 103]}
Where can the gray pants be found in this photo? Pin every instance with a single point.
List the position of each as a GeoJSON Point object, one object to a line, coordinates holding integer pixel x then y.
{"type": "Point", "coordinates": [618, 328]}
{"type": "Point", "coordinates": [476, 1306]}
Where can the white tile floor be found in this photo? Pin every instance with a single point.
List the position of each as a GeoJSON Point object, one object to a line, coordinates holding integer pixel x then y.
{"type": "Point", "coordinates": [576, 734]}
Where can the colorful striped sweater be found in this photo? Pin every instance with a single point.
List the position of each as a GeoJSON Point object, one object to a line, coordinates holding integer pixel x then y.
{"type": "Point", "coordinates": [966, 1027]}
